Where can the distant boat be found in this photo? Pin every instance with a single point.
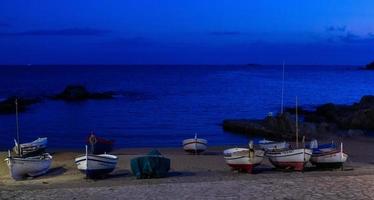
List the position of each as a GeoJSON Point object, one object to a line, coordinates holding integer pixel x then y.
{"type": "Point", "coordinates": [329, 157]}
{"type": "Point", "coordinates": [195, 145]}
{"type": "Point", "coordinates": [243, 159]}
{"type": "Point", "coordinates": [20, 166]}
{"type": "Point", "coordinates": [99, 145]}
{"type": "Point", "coordinates": [291, 158]}
{"type": "Point", "coordinates": [96, 166]}
{"type": "Point", "coordinates": [269, 145]}
{"type": "Point", "coordinates": [33, 148]}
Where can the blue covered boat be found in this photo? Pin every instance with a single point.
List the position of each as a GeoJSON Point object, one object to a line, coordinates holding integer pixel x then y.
{"type": "Point", "coordinates": [152, 165]}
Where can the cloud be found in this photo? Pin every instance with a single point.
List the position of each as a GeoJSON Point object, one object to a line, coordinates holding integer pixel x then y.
{"type": "Point", "coordinates": [59, 32]}
{"type": "Point", "coordinates": [336, 28]}
{"type": "Point", "coordinates": [342, 34]}
{"type": "Point", "coordinates": [353, 38]}
{"type": "Point", "coordinates": [224, 33]}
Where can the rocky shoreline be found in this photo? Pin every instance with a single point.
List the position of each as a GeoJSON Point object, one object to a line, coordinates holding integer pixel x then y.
{"type": "Point", "coordinates": [326, 120]}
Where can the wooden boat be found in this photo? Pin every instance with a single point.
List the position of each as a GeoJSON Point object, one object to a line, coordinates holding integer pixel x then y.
{"type": "Point", "coordinates": [96, 166]}
{"type": "Point", "coordinates": [291, 158]}
{"type": "Point", "coordinates": [333, 158]}
{"type": "Point", "coordinates": [20, 167]}
{"type": "Point", "coordinates": [99, 145]}
{"type": "Point", "coordinates": [33, 148]}
{"type": "Point", "coordinates": [269, 145]}
{"type": "Point", "coordinates": [195, 145]}
{"type": "Point", "coordinates": [243, 159]}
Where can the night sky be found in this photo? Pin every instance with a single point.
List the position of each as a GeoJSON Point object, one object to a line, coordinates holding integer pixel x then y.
{"type": "Point", "coordinates": [186, 32]}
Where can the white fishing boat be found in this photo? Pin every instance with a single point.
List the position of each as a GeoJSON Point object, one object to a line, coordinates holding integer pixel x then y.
{"type": "Point", "coordinates": [294, 159]}
{"type": "Point", "coordinates": [96, 166]}
{"type": "Point", "coordinates": [269, 145]}
{"type": "Point", "coordinates": [195, 145]}
{"type": "Point", "coordinates": [290, 159]}
{"type": "Point", "coordinates": [20, 166]}
{"type": "Point", "coordinates": [333, 158]}
{"type": "Point", "coordinates": [243, 159]}
{"type": "Point", "coordinates": [31, 166]}
{"type": "Point", "coordinates": [35, 147]}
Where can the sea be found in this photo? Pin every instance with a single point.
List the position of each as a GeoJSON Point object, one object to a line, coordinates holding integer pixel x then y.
{"type": "Point", "coordinates": [160, 105]}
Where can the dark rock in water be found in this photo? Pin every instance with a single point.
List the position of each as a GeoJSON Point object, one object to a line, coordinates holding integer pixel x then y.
{"type": "Point", "coordinates": [370, 66]}
{"type": "Point", "coordinates": [8, 106]}
{"type": "Point", "coordinates": [79, 93]}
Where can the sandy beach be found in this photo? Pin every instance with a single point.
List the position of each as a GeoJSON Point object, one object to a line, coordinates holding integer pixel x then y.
{"type": "Point", "coordinates": [199, 177]}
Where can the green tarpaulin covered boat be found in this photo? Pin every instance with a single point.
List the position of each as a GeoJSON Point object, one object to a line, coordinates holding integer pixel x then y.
{"type": "Point", "coordinates": [152, 165]}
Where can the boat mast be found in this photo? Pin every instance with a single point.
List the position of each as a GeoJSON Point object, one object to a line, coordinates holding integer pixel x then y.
{"type": "Point", "coordinates": [17, 129]}
{"type": "Point", "coordinates": [195, 143]}
{"type": "Point", "coordinates": [282, 90]}
{"type": "Point", "coordinates": [297, 126]}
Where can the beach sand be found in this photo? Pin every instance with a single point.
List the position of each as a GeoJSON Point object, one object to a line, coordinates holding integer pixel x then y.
{"type": "Point", "coordinates": [199, 177]}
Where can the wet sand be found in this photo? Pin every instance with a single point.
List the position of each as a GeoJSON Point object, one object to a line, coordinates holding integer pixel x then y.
{"type": "Point", "coordinates": [199, 177]}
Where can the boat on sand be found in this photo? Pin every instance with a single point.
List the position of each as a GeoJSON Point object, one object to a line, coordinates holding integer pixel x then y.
{"type": "Point", "coordinates": [195, 145]}
{"type": "Point", "coordinates": [243, 159]}
{"type": "Point", "coordinates": [96, 166]}
{"type": "Point", "coordinates": [21, 166]}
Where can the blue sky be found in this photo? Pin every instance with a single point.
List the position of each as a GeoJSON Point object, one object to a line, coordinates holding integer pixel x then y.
{"type": "Point", "coordinates": [186, 32]}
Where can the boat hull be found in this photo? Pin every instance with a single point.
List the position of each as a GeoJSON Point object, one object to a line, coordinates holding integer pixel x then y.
{"type": "Point", "coordinates": [96, 166]}
{"type": "Point", "coordinates": [195, 146]}
{"type": "Point", "coordinates": [239, 159]}
{"type": "Point", "coordinates": [290, 159]}
{"type": "Point", "coordinates": [31, 166]}
{"type": "Point", "coordinates": [331, 159]}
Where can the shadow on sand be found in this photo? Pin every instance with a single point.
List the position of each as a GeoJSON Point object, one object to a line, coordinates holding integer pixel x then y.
{"type": "Point", "coordinates": [181, 174]}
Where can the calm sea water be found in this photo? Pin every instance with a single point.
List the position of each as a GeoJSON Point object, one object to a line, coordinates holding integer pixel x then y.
{"type": "Point", "coordinates": [169, 103]}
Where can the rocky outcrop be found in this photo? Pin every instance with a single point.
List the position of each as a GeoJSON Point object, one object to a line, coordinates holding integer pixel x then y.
{"type": "Point", "coordinates": [357, 116]}
{"type": "Point", "coordinates": [370, 66]}
{"type": "Point", "coordinates": [272, 127]}
{"type": "Point", "coordinates": [80, 93]}
{"type": "Point", "coordinates": [346, 120]}
{"type": "Point", "coordinates": [8, 106]}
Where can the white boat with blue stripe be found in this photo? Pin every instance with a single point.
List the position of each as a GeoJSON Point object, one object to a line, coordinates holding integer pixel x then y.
{"type": "Point", "coordinates": [195, 145]}
{"type": "Point", "coordinates": [96, 166]}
